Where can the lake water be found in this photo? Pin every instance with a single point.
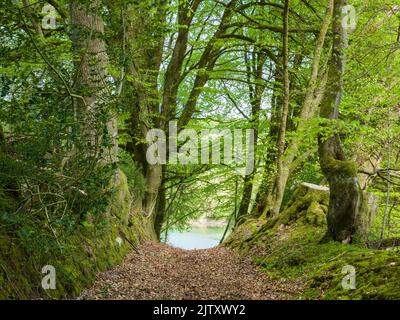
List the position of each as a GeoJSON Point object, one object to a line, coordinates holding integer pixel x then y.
{"type": "Point", "coordinates": [196, 238]}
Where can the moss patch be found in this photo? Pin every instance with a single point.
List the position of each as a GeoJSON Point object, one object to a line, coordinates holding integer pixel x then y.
{"type": "Point", "coordinates": [291, 247]}
{"type": "Point", "coordinates": [296, 252]}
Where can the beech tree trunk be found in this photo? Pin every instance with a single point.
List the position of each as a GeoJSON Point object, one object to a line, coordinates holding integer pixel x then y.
{"type": "Point", "coordinates": [144, 58]}
{"type": "Point", "coordinates": [346, 197]}
{"type": "Point", "coordinates": [160, 214]}
{"type": "Point", "coordinates": [91, 83]}
{"type": "Point", "coordinates": [254, 66]}
{"type": "Point", "coordinates": [2, 136]}
{"type": "Point", "coordinates": [279, 182]}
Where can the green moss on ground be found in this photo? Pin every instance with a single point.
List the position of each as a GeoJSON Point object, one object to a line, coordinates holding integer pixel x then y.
{"type": "Point", "coordinates": [308, 205]}
{"type": "Point", "coordinates": [77, 256]}
{"type": "Point", "coordinates": [296, 250]}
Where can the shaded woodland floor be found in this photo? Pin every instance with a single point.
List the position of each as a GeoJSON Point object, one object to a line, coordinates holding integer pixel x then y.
{"type": "Point", "coordinates": [159, 271]}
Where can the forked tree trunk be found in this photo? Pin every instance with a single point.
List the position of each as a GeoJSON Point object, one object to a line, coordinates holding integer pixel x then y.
{"type": "Point", "coordinates": [144, 60]}
{"type": "Point", "coordinates": [268, 200]}
{"type": "Point", "coordinates": [346, 197]}
{"type": "Point", "coordinates": [173, 78]}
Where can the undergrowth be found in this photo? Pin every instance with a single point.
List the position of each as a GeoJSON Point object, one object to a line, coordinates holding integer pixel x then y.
{"type": "Point", "coordinates": [78, 250]}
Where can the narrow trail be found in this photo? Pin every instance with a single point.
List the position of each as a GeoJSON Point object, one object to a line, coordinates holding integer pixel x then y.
{"type": "Point", "coordinates": [163, 272]}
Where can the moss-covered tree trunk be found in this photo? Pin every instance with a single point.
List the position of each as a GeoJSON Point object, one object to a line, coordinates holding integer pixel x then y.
{"type": "Point", "coordinates": [346, 197]}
